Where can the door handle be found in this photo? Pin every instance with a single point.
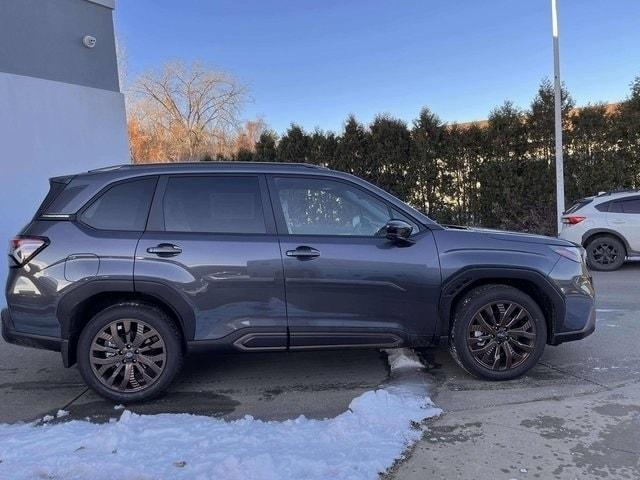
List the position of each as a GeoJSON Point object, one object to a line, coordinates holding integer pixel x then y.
{"type": "Point", "coordinates": [165, 250]}
{"type": "Point", "coordinates": [303, 252]}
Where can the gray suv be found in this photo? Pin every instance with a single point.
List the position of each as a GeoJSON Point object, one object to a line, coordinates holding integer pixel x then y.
{"type": "Point", "coordinates": [126, 269]}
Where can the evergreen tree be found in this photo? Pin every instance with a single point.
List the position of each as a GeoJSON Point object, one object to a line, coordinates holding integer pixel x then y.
{"type": "Point", "coordinates": [592, 164]}
{"type": "Point", "coordinates": [244, 155]}
{"type": "Point", "coordinates": [389, 155]}
{"type": "Point", "coordinates": [294, 145]}
{"type": "Point", "coordinates": [427, 143]}
{"type": "Point", "coordinates": [352, 149]}
{"type": "Point", "coordinates": [462, 148]}
{"type": "Point", "coordinates": [541, 120]}
{"type": "Point", "coordinates": [266, 147]}
{"type": "Point", "coordinates": [322, 147]}
{"type": "Point", "coordinates": [502, 175]}
{"type": "Point", "coordinates": [539, 173]}
{"type": "Point", "coordinates": [627, 130]}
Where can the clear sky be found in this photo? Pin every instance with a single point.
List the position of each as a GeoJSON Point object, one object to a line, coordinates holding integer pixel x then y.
{"type": "Point", "coordinates": [313, 62]}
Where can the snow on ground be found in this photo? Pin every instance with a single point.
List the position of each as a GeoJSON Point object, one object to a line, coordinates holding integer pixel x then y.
{"type": "Point", "coordinates": [357, 444]}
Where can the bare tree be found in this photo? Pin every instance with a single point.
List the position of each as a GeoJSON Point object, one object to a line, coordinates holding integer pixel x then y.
{"type": "Point", "coordinates": [249, 134]}
{"type": "Point", "coordinates": [184, 111]}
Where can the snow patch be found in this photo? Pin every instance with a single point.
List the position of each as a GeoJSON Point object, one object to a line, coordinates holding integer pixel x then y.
{"type": "Point", "coordinates": [402, 358]}
{"type": "Point", "coordinates": [357, 444]}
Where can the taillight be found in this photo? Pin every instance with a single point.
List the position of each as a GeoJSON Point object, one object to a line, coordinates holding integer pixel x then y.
{"type": "Point", "coordinates": [572, 219]}
{"type": "Point", "coordinates": [24, 248]}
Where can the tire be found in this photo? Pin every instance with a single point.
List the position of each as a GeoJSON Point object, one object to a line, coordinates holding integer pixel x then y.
{"type": "Point", "coordinates": [605, 253]}
{"type": "Point", "coordinates": [473, 345]}
{"type": "Point", "coordinates": [151, 352]}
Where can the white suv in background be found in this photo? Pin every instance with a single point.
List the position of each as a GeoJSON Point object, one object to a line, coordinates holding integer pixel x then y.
{"type": "Point", "coordinates": [607, 226]}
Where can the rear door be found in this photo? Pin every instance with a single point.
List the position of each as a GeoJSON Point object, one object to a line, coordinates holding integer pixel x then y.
{"type": "Point", "coordinates": [346, 285]}
{"type": "Point", "coordinates": [211, 238]}
{"type": "Point", "coordinates": [624, 217]}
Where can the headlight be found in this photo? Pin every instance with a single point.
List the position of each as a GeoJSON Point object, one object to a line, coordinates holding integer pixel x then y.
{"type": "Point", "coordinates": [575, 254]}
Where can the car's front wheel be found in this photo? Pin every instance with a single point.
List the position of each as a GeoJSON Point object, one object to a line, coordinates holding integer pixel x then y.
{"type": "Point", "coordinates": [129, 352]}
{"type": "Point", "coordinates": [498, 332]}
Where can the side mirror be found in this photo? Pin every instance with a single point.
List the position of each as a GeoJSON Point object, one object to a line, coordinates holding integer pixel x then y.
{"type": "Point", "coordinates": [397, 230]}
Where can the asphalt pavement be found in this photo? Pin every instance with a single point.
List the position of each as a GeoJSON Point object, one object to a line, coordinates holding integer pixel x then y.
{"type": "Point", "coordinates": [575, 415]}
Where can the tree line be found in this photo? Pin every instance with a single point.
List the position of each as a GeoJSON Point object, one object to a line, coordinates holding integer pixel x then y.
{"type": "Point", "coordinates": [498, 174]}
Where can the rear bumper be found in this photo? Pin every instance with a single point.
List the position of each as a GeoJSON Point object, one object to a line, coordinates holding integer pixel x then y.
{"type": "Point", "coordinates": [11, 335]}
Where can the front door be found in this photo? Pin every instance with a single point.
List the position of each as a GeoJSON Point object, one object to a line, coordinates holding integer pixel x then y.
{"type": "Point", "coordinates": [345, 285]}
{"type": "Point", "coordinates": [212, 239]}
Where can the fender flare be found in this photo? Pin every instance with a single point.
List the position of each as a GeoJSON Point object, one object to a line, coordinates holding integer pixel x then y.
{"type": "Point", "coordinates": [464, 278]}
{"type": "Point", "coordinates": [608, 231]}
{"type": "Point", "coordinates": [161, 292]}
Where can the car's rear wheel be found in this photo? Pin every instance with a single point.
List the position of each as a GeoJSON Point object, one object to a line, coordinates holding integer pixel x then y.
{"type": "Point", "coordinates": [605, 253]}
{"type": "Point", "coordinates": [498, 333]}
{"type": "Point", "coordinates": [129, 352]}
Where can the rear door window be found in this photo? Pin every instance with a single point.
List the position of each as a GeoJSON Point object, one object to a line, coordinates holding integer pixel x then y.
{"type": "Point", "coordinates": [213, 204]}
{"type": "Point", "coordinates": [124, 206]}
{"type": "Point", "coordinates": [631, 205]}
{"type": "Point", "coordinates": [615, 207]}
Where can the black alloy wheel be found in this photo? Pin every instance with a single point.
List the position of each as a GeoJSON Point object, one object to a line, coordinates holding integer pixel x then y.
{"type": "Point", "coordinates": [605, 253]}
{"type": "Point", "coordinates": [499, 332]}
{"type": "Point", "coordinates": [130, 352]}
{"type": "Point", "coordinates": [128, 355]}
{"type": "Point", "coordinates": [501, 335]}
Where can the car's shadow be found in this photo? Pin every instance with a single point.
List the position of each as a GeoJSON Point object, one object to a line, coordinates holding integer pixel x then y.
{"type": "Point", "coordinates": [269, 386]}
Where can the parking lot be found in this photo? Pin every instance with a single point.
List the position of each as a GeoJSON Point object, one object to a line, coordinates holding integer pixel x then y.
{"type": "Point", "coordinates": [576, 415]}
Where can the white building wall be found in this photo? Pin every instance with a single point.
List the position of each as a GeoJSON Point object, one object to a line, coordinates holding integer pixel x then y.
{"type": "Point", "coordinates": [50, 128]}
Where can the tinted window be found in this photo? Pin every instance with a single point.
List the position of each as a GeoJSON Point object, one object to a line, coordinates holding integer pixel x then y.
{"type": "Point", "coordinates": [213, 205]}
{"type": "Point", "coordinates": [631, 206]}
{"type": "Point", "coordinates": [123, 207]}
{"type": "Point", "coordinates": [603, 207]}
{"type": "Point", "coordinates": [615, 207]}
{"type": "Point", "coordinates": [326, 207]}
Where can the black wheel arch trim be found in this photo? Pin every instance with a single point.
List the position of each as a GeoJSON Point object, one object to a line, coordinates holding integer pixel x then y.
{"type": "Point", "coordinates": [463, 279]}
{"type": "Point", "coordinates": [174, 300]}
{"type": "Point", "coordinates": [70, 301]}
{"type": "Point", "coordinates": [164, 294]}
{"type": "Point", "coordinates": [597, 231]}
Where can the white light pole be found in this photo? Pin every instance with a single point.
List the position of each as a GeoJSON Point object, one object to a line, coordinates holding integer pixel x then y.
{"type": "Point", "coordinates": [558, 112]}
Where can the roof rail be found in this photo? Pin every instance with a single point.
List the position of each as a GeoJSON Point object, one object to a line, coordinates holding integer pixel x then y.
{"type": "Point", "coordinates": [224, 163]}
{"type": "Point", "coordinates": [622, 190]}
{"type": "Point", "coordinates": [108, 169]}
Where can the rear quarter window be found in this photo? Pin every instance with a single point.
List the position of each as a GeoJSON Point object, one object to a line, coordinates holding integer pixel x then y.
{"type": "Point", "coordinates": [578, 205]}
{"type": "Point", "coordinates": [124, 206]}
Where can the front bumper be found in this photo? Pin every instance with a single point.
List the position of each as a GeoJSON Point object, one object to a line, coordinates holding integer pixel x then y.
{"type": "Point", "coordinates": [11, 335]}
{"type": "Point", "coordinates": [588, 329]}
{"type": "Point", "coordinates": [576, 318]}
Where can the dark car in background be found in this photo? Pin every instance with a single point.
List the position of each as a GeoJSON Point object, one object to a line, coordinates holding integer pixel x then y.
{"type": "Point", "coordinates": [126, 269]}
